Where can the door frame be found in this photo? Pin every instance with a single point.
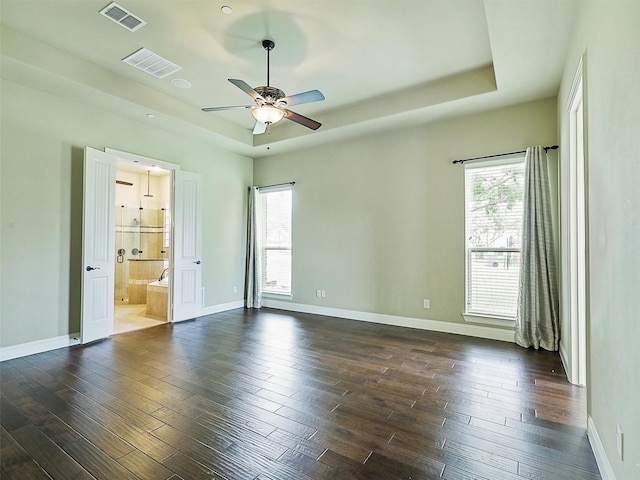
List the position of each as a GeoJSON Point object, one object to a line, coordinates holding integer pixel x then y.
{"type": "Point", "coordinates": [149, 162]}
{"type": "Point", "coordinates": [172, 167]}
{"type": "Point", "coordinates": [577, 233]}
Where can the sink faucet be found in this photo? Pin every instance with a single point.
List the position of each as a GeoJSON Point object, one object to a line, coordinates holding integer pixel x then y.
{"type": "Point", "coordinates": [162, 274]}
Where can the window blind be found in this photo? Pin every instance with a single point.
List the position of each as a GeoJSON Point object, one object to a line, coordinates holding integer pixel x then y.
{"type": "Point", "coordinates": [276, 240]}
{"type": "Point", "coordinates": [494, 207]}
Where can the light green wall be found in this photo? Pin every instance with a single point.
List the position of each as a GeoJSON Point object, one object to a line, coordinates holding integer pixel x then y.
{"type": "Point", "coordinates": [608, 34]}
{"type": "Point", "coordinates": [43, 137]}
{"type": "Point", "coordinates": [378, 221]}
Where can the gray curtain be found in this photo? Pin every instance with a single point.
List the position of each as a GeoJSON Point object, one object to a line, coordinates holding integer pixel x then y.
{"type": "Point", "coordinates": [253, 270]}
{"type": "Point", "coordinates": [537, 319]}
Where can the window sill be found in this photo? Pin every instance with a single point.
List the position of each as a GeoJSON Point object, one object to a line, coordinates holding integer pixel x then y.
{"type": "Point", "coordinates": [489, 320]}
{"type": "Point", "coordinates": [278, 295]}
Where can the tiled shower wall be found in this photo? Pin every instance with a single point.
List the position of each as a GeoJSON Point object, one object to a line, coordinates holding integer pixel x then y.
{"type": "Point", "coordinates": [138, 227]}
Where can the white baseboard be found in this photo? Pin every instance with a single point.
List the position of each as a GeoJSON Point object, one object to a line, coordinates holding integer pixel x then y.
{"type": "Point", "coordinates": [38, 346]}
{"type": "Point", "coordinates": [410, 322]}
{"type": "Point", "coordinates": [223, 307]}
{"type": "Point", "coordinates": [598, 451]}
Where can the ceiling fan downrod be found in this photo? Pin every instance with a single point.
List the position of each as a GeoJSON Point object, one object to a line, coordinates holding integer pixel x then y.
{"type": "Point", "coordinates": [268, 45]}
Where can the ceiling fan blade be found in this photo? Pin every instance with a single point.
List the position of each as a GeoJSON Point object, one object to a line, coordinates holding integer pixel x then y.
{"type": "Point", "coordinates": [260, 128]}
{"type": "Point", "coordinates": [301, 119]}
{"type": "Point", "coordinates": [304, 97]}
{"type": "Point", "coordinates": [246, 88]}
{"type": "Point", "coordinates": [230, 107]}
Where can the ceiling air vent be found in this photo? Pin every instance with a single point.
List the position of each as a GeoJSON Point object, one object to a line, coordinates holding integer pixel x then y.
{"type": "Point", "coordinates": [122, 17]}
{"type": "Point", "coordinates": [153, 64]}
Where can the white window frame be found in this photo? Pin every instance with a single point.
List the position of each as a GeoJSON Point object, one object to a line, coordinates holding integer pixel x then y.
{"type": "Point", "coordinates": [263, 248]}
{"type": "Point", "coordinates": [470, 316]}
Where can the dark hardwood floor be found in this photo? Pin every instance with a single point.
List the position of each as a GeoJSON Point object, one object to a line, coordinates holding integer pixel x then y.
{"type": "Point", "coordinates": [272, 395]}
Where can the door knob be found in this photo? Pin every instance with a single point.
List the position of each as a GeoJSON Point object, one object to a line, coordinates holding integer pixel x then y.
{"type": "Point", "coordinates": [89, 268]}
{"type": "Point", "coordinates": [197, 262]}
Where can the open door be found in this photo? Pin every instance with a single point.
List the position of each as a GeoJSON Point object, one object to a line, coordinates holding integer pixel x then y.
{"type": "Point", "coordinates": [187, 246]}
{"type": "Point", "coordinates": [98, 245]}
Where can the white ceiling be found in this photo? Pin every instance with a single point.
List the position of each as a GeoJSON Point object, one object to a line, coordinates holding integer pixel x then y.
{"type": "Point", "coordinates": [381, 64]}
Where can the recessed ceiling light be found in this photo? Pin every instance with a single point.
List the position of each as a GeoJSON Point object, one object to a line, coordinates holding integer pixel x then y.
{"type": "Point", "coordinates": [181, 83]}
{"type": "Point", "coordinates": [227, 10]}
{"type": "Point", "coordinates": [150, 115]}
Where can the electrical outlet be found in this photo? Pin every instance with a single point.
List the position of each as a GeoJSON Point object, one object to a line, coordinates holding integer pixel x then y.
{"type": "Point", "coordinates": [427, 303]}
{"type": "Point", "coordinates": [235, 289]}
{"type": "Point", "coordinates": [318, 293]}
{"type": "Point", "coordinates": [619, 441]}
{"type": "Point", "coordinates": [324, 294]}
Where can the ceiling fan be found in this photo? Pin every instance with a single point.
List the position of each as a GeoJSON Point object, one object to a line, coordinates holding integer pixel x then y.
{"type": "Point", "coordinates": [271, 102]}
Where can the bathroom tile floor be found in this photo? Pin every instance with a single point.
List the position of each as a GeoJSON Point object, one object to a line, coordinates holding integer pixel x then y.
{"type": "Point", "coordinates": [132, 317]}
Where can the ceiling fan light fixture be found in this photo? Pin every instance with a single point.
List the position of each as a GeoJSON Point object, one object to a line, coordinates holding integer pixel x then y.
{"type": "Point", "coordinates": [267, 114]}
{"type": "Point", "coordinates": [271, 102]}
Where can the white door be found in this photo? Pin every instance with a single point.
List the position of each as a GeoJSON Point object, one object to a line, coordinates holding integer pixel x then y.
{"type": "Point", "coordinates": [187, 246]}
{"type": "Point", "coordinates": [98, 245]}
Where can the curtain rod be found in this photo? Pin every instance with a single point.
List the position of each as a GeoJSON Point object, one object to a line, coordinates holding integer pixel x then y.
{"type": "Point", "coordinates": [277, 185]}
{"type": "Point", "coordinates": [546, 149]}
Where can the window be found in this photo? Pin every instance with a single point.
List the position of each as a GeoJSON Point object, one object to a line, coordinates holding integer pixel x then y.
{"type": "Point", "coordinates": [275, 233]}
{"type": "Point", "coordinates": [493, 202]}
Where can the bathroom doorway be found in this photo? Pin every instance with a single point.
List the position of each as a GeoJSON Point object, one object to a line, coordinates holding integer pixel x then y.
{"type": "Point", "coordinates": [142, 246]}
{"type": "Point", "coordinates": [182, 227]}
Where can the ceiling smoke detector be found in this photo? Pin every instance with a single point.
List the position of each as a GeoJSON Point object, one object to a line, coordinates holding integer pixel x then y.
{"type": "Point", "coordinates": [122, 17]}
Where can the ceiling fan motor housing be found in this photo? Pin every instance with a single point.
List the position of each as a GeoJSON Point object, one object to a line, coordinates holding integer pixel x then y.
{"type": "Point", "coordinates": [270, 94]}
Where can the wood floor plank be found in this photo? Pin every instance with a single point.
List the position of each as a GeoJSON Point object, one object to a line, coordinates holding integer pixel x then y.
{"type": "Point", "coordinates": [230, 466]}
{"type": "Point", "coordinates": [132, 413]}
{"type": "Point", "coordinates": [188, 468]}
{"type": "Point", "coordinates": [387, 467]}
{"type": "Point", "coordinates": [181, 432]}
{"type": "Point", "coordinates": [15, 462]}
{"type": "Point", "coordinates": [96, 462]}
{"type": "Point", "coordinates": [479, 462]}
{"type": "Point", "coordinates": [29, 471]}
{"type": "Point", "coordinates": [144, 467]}
{"type": "Point", "coordinates": [293, 442]}
{"type": "Point", "coordinates": [128, 390]}
{"type": "Point", "coordinates": [224, 397]}
{"type": "Point", "coordinates": [49, 424]}
{"type": "Point", "coordinates": [100, 436]}
{"type": "Point", "coordinates": [344, 467]}
{"type": "Point", "coordinates": [53, 460]}
{"type": "Point", "coordinates": [11, 417]}
{"type": "Point", "coordinates": [142, 440]}
{"type": "Point", "coordinates": [307, 465]}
